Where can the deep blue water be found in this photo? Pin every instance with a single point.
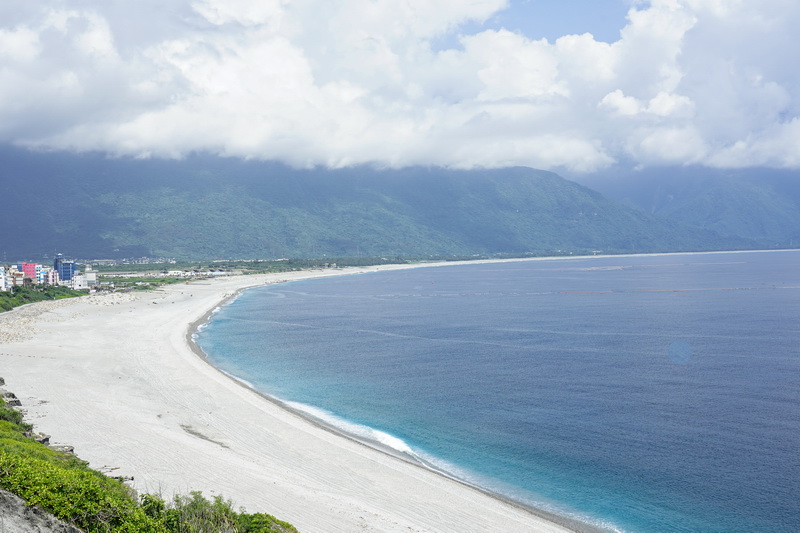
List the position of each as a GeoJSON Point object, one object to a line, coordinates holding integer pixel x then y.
{"type": "Point", "coordinates": [649, 393]}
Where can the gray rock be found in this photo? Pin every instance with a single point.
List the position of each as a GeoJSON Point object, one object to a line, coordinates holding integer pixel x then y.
{"type": "Point", "coordinates": [17, 517]}
{"type": "Point", "coordinates": [11, 399]}
{"type": "Point", "coordinates": [64, 449]}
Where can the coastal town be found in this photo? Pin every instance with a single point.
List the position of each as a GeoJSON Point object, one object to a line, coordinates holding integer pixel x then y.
{"type": "Point", "coordinates": [87, 276]}
{"type": "Point", "coordinates": [62, 273]}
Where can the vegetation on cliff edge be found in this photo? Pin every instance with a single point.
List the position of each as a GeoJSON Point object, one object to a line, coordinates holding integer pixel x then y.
{"type": "Point", "coordinates": [66, 487]}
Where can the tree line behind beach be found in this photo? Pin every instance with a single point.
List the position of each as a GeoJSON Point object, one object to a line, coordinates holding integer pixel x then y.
{"type": "Point", "coordinates": [38, 293]}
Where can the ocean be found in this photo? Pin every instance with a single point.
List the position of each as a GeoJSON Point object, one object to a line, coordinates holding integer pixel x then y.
{"type": "Point", "coordinates": [654, 393]}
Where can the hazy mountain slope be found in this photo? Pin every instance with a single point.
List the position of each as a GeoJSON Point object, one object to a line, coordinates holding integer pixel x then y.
{"type": "Point", "coordinates": [762, 204]}
{"type": "Point", "coordinates": [209, 207]}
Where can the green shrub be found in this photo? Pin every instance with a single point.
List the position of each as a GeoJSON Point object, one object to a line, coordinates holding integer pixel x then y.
{"type": "Point", "coordinates": [79, 496]}
{"type": "Point", "coordinates": [264, 523]}
{"type": "Point", "coordinates": [66, 487]}
{"type": "Point", "coordinates": [11, 415]}
{"type": "Point", "coordinates": [36, 293]}
{"type": "Point", "coordinates": [196, 514]}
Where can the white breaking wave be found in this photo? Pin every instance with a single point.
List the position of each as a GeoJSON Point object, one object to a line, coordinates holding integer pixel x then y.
{"type": "Point", "coordinates": [359, 431]}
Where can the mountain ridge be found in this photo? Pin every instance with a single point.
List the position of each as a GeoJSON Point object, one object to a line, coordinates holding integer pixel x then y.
{"type": "Point", "coordinates": [760, 204]}
{"type": "Point", "coordinates": [88, 205]}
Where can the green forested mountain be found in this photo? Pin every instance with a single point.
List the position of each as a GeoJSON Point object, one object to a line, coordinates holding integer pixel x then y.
{"type": "Point", "coordinates": [90, 206]}
{"type": "Point", "coordinates": [759, 204]}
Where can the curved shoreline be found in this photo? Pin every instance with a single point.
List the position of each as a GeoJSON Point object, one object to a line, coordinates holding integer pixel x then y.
{"type": "Point", "coordinates": [572, 524]}
{"type": "Point", "coordinates": [114, 376]}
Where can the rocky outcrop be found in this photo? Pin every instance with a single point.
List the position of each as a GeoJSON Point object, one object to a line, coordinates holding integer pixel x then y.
{"type": "Point", "coordinates": [18, 517]}
{"type": "Point", "coordinates": [11, 399]}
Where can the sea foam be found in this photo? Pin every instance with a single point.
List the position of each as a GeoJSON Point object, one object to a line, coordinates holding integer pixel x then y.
{"type": "Point", "coordinates": [360, 432]}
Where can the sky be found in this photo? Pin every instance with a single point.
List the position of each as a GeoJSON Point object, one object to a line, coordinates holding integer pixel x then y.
{"type": "Point", "coordinates": [575, 86]}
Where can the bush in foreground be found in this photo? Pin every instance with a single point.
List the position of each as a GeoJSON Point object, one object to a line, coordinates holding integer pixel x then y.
{"type": "Point", "coordinates": [67, 488]}
{"type": "Point", "coordinates": [196, 514]}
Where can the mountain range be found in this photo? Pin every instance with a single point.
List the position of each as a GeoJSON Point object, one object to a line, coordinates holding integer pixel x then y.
{"type": "Point", "coordinates": [759, 204]}
{"type": "Point", "coordinates": [209, 207]}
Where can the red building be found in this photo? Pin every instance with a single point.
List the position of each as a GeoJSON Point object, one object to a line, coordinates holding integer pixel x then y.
{"type": "Point", "coordinates": [29, 270]}
{"type": "Point", "coordinates": [34, 271]}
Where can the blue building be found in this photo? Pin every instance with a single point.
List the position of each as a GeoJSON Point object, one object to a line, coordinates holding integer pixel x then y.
{"type": "Point", "coordinates": [65, 269]}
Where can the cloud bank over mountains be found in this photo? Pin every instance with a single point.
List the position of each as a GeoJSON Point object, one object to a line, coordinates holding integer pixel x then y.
{"type": "Point", "coordinates": [706, 82]}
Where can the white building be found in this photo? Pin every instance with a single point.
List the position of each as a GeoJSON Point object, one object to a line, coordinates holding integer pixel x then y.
{"type": "Point", "coordinates": [3, 279]}
{"type": "Point", "coordinates": [50, 277]}
{"type": "Point", "coordinates": [84, 280]}
{"type": "Point", "coordinates": [78, 282]}
{"type": "Point", "coordinates": [91, 275]}
{"type": "Point", "coordinates": [91, 278]}
{"type": "Point", "coordinates": [14, 278]}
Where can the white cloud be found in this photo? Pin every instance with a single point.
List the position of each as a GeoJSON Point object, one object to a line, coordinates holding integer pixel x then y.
{"type": "Point", "coordinates": [244, 12]}
{"type": "Point", "coordinates": [510, 66]}
{"type": "Point", "coordinates": [779, 146]}
{"type": "Point", "coordinates": [586, 61]}
{"type": "Point", "coordinates": [668, 146]}
{"type": "Point", "coordinates": [365, 81]}
{"type": "Point", "coordinates": [618, 103]}
{"type": "Point", "coordinates": [667, 105]}
{"type": "Point", "coordinates": [19, 45]}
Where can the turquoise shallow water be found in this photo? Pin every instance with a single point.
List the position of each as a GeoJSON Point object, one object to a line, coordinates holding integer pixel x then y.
{"type": "Point", "coordinates": [648, 393]}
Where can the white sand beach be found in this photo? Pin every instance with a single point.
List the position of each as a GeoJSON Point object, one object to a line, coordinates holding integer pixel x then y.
{"type": "Point", "coordinates": [115, 377]}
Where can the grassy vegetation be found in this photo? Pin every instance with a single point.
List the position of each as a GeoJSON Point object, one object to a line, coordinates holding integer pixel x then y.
{"type": "Point", "coordinates": [148, 276]}
{"type": "Point", "coordinates": [196, 514]}
{"type": "Point", "coordinates": [25, 295]}
{"type": "Point", "coordinates": [140, 283]}
{"type": "Point", "coordinates": [66, 487]}
{"type": "Point", "coordinates": [125, 275]}
{"type": "Point", "coordinates": [254, 266]}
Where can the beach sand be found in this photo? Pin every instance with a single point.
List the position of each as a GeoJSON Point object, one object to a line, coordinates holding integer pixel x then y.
{"type": "Point", "coordinates": [116, 377]}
